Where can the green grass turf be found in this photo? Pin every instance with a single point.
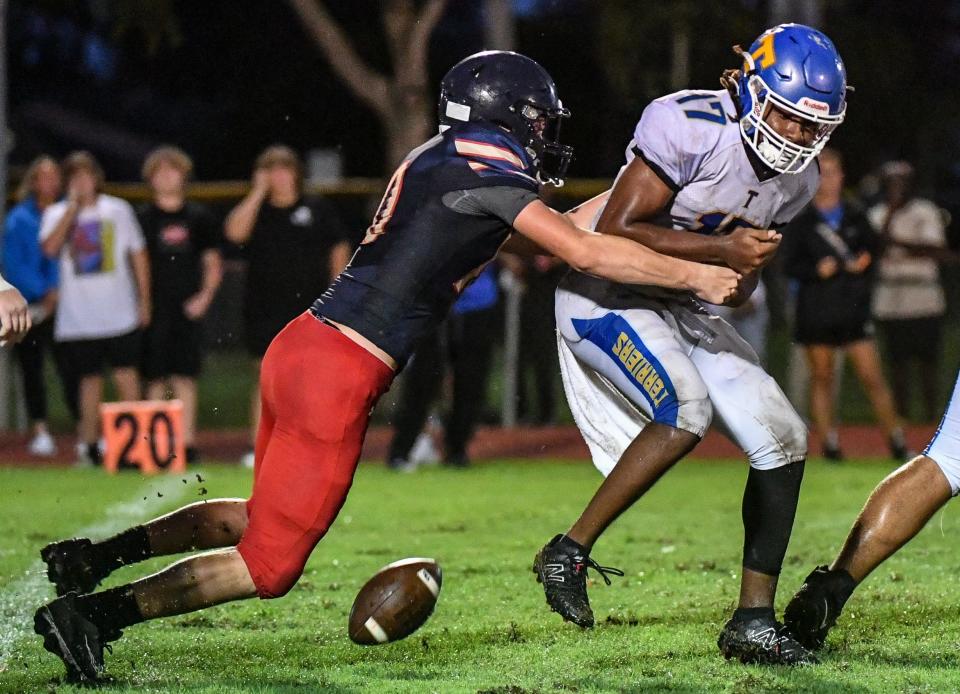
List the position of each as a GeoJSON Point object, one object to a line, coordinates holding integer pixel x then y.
{"type": "Point", "coordinates": [657, 628]}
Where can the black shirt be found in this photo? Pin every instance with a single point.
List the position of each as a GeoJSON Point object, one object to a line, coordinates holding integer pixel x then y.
{"type": "Point", "coordinates": [176, 242]}
{"type": "Point", "coordinates": [289, 260]}
{"type": "Point", "coordinates": [445, 214]}
{"type": "Point", "coordinates": [842, 301]}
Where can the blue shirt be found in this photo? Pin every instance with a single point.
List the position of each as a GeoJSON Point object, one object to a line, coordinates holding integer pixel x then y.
{"type": "Point", "coordinates": [833, 216]}
{"type": "Point", "coordinates": [480, 294]}
{"type": "Point", "coordinates": [24, 264]}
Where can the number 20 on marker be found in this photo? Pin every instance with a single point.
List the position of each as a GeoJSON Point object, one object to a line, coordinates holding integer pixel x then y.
{"type": "Point", "coordinates": [147, 435]}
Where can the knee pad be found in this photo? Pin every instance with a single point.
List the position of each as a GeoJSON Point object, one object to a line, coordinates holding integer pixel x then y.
{"type": "Point", "coordinates": [784, 439]}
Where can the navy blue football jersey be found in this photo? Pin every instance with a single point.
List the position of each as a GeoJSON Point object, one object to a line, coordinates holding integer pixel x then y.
{"type": "Point", "coordinates": [445, 213]}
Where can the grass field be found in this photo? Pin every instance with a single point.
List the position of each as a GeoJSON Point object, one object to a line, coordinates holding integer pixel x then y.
{"type": "Point", "coordinates": [491, 632]}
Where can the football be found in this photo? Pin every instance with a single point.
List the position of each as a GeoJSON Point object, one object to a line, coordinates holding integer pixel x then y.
{"type": "Point", "coordinates": [395, 602]}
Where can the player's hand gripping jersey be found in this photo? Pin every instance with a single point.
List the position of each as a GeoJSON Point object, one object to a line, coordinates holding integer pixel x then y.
{"type": "Point", "coordinates": [447, 210]}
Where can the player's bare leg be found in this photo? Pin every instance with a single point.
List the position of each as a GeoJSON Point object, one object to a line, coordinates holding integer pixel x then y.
{"type": "Point", "coordinates": [562, 564]}
{"type": "Point", "coordinates": [866, 362]}
{"type": "Point", "coordinates": [79, 565]}
{"type": "Point", "coordinates": [896, 511]}
{"type": "Point", "coordinates": [194, 583]}
{"type": "Point", "coordinates": [654, 451]}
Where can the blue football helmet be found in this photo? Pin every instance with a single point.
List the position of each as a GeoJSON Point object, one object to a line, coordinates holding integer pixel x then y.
{"type": "Point", "coordinates": [514, 93]}
{"type": "Point", "coordinates": [796, 69]}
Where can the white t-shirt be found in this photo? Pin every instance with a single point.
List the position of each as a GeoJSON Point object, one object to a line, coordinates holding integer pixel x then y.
{"type": "Point", "coordinates": [98, 293]}
{"type": "Point", "coordinates": [908, 286]}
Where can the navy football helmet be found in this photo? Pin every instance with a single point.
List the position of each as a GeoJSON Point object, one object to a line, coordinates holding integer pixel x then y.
{"type": "Point", "coordinates": [516, 94]}
{"type": "Point", "coordinates": [796, 69]}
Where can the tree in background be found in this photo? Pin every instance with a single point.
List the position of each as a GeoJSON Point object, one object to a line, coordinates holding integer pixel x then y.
{"type": "Point", "coordinates": [404, 100]}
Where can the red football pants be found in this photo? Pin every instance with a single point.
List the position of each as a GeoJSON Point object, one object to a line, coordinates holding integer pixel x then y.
{"type": "Point", "coordinates": [317, 389]}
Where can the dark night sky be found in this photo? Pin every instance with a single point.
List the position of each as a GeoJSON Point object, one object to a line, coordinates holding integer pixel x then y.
{"type": "Point", "coordinates": [245, 75]}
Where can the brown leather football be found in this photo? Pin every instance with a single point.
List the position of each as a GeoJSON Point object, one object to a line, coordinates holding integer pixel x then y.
{"type": "Point", "coordinates": [395, 602]}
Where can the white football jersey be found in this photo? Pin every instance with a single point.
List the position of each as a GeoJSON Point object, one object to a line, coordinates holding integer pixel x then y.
{"type": "Point", "coordinates": [692, 141]}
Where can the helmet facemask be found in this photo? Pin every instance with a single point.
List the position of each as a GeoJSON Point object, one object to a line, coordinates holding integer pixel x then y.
{"type": "Point", "coordinates": [776, 151]}
{"type": "Point", "coordinates": [542, 141]}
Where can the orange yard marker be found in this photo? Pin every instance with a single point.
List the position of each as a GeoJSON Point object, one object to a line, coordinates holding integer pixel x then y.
{"type": "Point", "coordinates": [147, 434]}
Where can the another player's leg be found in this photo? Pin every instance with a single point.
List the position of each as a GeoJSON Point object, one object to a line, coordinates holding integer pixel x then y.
{"type": "Point", "coordinates": [616, 382]}
{"type": "Point", "coordinates": [895, 512]}
{"type": "Point", "coordinates": [79, 564]}
{"type": "Point", "coordinates": [562, 564]}
{"type": "Point", "coordinates": [752, 409]}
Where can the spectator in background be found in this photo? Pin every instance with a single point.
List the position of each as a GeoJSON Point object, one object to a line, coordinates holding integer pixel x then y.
{"type": "Point", "coordinates": [104, 290]}
{"type": "Point", "coordinates": [909, 301]}
{"type": "Point", "coordinates": [830, 249]}
{"type": "Point", "coordinates": [185, 271]}
{"type": "Point", "coordinates": [295, 247]}
{"type": "Point", "coordinates": [464, 343]}
{"type": "Point", "coordinates": [35, 276]}
{"type": "Point", "coordinates": [539, 366]}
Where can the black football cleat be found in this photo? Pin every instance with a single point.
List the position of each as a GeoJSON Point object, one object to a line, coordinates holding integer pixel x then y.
{"type": "Point", "coordinates": [72, 637]}
{"type": "Point", "coordinates": [764, 641]}
{"type": "Point", "coordinates": [563, 573]}
{"type": "Point", "coordinates": [814, 610]}
{"type": "Point", "coordinates": [71, 566]}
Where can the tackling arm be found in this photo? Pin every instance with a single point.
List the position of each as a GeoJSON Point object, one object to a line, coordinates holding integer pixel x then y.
{"type": "Point", "coordinates": [620, 259]}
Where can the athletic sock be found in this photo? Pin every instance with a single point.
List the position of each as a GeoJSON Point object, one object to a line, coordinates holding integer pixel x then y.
{"type": "Point", "coordinates": [128, 547]}
{"type": "Point", "coordinates": [745, 614]}
{"type": "Point", "coordinates": [111, 610]}
{"type": "Point", "coordinates": [571, 545]}
{"type": "Point", "coordinates": [842, 585]}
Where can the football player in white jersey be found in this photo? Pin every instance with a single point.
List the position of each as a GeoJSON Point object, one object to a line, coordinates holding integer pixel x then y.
{"type": "Point", "coordinates": [895, 512]}
{"type": "Point", "coordinates": [710, 176]}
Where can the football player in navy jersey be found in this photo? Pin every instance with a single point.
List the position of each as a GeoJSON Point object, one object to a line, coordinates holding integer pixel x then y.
{"type": "Point", "coordinates": [446, 212]}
